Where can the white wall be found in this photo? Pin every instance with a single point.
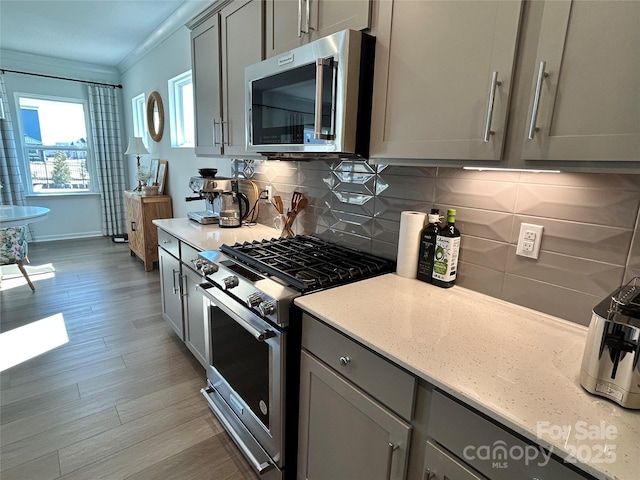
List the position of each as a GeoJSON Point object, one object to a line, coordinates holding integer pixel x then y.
{"type": "Point", "coordinates": [152, 72]}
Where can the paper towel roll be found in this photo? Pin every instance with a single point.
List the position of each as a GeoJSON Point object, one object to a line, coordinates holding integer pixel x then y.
{"type": "Point", "coordinates": [411, 224]}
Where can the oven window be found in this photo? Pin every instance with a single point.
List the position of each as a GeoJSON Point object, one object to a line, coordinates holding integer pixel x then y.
{"type": "Point", "coordinates": [283, 109]}
{"type": "Point", "coordinates": [243, 361]}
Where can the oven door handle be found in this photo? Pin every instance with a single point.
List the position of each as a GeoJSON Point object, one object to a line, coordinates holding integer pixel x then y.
{"type": "Point", "coordinates": [261, 468]}
{"type": "Point", "coordinates": [260, 335]}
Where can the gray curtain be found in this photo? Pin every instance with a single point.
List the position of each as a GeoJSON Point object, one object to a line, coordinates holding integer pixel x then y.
{"type": "Point", "coordinates": [104, 113]}
{"type": "Point", "coordinates": [12, 191]}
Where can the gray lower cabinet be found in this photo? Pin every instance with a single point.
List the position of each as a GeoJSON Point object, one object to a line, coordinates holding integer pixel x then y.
{"type": "Point", "coordinates": [182, 306]}
{"type": "Point", "coordinates": [170, 287]}
{"type": "Point", "coordinates": [465, 445]}
{"type": "Point", "coordinates": [343, 431]}
{"type": "Point", "coordinates": [194, 313]}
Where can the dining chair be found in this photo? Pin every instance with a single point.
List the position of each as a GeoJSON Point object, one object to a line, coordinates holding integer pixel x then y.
{"type": "Point", "coordinates": [14, 248]}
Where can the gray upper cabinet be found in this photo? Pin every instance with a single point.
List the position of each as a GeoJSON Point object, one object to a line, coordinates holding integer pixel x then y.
{"type": "Point", "coordinates": [566, 86]}
{"type": "Point", "coordinates": [585, 92]}
{"type": "Point", "coordinates": [443, 78]}
{"type": "Point", "coordinates": [292, 23]}
{"type": "Point", "coordinates": [205, 74]}
{"type": "Point", "coordinates": [222, 45]}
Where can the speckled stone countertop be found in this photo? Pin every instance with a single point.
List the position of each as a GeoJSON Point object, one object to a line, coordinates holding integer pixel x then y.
{"type": "Point", "coordinates": [514, 364]}
{"type": "Point", "coordinates": [210, 237]}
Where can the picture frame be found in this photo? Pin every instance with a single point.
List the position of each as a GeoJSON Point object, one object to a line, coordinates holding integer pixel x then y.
{"type": "Point", "coordinates": [163, 168]}
{"type": "Point", "coordinates": [153, 168]}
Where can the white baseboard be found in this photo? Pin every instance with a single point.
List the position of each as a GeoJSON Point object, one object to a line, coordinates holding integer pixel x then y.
{"type": "Point", "coordinates": [65, 236]}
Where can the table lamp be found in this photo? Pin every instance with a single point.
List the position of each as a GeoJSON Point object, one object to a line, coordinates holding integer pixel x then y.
{"type": "Point", "coordinates": [136, 147]}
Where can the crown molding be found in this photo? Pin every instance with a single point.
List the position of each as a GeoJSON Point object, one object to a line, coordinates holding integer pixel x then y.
{"type": "Point", "coordinates": [184, 13]}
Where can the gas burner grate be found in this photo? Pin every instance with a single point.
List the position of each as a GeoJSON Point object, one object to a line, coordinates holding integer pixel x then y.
{"type": "Point", "coordinates": [308, 263]}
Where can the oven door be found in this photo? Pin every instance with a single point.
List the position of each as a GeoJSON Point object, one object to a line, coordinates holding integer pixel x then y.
{"type": "Point", "coordinates": [245, 380]}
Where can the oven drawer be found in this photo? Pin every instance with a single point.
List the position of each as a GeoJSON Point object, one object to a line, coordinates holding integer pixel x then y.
{"type": "Point", "coordinates": [380, 378]}
{"type": "Point", "coordinates": [169, 243]}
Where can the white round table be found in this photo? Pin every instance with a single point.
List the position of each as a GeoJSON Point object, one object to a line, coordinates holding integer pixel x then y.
{"type": "Point", "coordinates": [15, 215]}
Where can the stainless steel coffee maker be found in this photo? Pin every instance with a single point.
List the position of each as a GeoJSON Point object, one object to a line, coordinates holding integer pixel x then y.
{"type": "Point", "coordinates": [611, 360]}
{"type": "Point", "coordinates": [224, 203]}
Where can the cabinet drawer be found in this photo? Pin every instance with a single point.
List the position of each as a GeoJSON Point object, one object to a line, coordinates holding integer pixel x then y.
{"type": "Point", "coordinates": [439, 465]}
{"type": "Point", "coordinates": [384, 381]}
{"type": "Point", "coordinates": [168, 242]}
{"type": "Point", "coordinates": [188, 254]}
{"type": "Point", "coordinates": [481, 438]}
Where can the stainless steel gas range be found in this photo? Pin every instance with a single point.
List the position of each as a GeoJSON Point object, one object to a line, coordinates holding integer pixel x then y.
{"type": "Point", "coordinates": [254, 333]}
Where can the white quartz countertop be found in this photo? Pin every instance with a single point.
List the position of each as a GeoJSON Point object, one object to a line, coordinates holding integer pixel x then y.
{"type": "Point", "coordinates": [210, 237]}
{"type": "Point", "coordinates": [514, 364]}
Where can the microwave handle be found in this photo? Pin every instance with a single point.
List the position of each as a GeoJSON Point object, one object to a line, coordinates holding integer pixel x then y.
{"type": "Point", "coordinates": [320, 65]}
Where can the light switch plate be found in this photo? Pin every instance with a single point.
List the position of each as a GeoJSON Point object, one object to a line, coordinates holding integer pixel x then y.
{"type": "Point", "coordinates": [529, 240]}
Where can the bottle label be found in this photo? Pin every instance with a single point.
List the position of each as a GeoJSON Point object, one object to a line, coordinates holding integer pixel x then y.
{"type": "Point", "coordinates": [445, 261]}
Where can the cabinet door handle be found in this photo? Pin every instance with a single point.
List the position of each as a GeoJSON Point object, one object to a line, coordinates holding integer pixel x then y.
{"type": "Point", "coordinates": [392, 448]}
{"type": "Point", "coordinates": [175, 288]}
{"type": "Point", "coordinates": [215, 135]}
{"type": "Point", "coordinates": [428, 475]}
{"type": "Point", "coordinates": [225, 129]}
{"type": "Point", "coordinates": [307, 17]}
{"type": "Point", "coordinates": [536, 99]}
{"type": "Point", "coordinates": [344, 361]}
{"type": "Point", "coordinates": [133, 226]}
{"type": "Point", "coordinates": [183, 282]}
{"type": "Point", "coordinates": [492, 97]}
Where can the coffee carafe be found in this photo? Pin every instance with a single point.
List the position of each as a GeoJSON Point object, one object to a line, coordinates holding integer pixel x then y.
{"type": "Point", "coordinates": [234, 208]}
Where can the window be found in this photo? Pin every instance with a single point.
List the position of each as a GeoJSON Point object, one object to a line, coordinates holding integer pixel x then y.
{"type": "Point", "coordinates": [181, 110]}
{"type": "Point", "coordinates": [139, 127]}
{"type": "Point", "coordinates": [54, 140]}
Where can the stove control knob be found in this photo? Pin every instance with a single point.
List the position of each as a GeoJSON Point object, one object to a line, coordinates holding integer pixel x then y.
{"type": "Point", "coordinates": [230, 282]}
{"type": "Point", "coordinates": [254, 299]}
{"type": "Point", "coordinates": [209, 268]}
{"type": "Point", "coordinates": [267, 308]}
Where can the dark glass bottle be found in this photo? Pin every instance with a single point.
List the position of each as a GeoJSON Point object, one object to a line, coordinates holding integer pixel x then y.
{"type": "Point", "coordinates": [428, 246]}
{"type": "Point", "coordinates": [445, 263]}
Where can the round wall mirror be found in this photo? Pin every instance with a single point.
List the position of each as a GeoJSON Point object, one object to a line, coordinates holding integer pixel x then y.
{"type": "Point", "coordinates": [155, 116]}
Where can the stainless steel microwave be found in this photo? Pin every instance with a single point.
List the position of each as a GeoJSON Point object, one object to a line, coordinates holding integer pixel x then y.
{"type": "Point", "coordinates": [313, 101]}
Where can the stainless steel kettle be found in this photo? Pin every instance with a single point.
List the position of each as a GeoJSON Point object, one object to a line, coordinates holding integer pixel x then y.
{"type": "Point", "coordinates": [232, 212]}
{"type": "Point", "coordinates": [611, 360]}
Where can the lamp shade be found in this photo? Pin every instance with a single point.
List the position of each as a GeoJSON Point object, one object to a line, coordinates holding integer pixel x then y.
{"type": "Point", "coordinates": [136, 147]}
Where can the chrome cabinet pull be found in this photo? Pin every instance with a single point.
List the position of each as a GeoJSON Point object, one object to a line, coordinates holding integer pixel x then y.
{"type": "Point", "coordinates": [307, 17]}
{"type": "Point", "coordinates": [222, 127]}
{"type": "Point", "coordinates": [215, 135]}
{"type": "Point", "coordinates": [536, 100]}
{"type": "Point", "coordinates": [492, 97]}
{"type": "Point", "coordinates": [344, 361]}
{"type": "Point", "coordinates": [183, 282]}
{"type": "Point", "coordinates": [392, 448]}
{"type": "Point", "coordinates": [175, 289]}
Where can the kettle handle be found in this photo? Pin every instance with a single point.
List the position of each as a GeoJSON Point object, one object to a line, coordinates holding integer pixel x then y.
{"type": "Point", "coordinates": [245, 200]}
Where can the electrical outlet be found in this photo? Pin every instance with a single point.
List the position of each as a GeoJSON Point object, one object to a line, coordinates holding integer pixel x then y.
{"type": "Point", "coordinates": [529, 240]}
{"type": "Point", "coordinates": [269, 190]}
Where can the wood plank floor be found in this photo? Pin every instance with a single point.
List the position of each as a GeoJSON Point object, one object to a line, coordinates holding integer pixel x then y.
{"type": "Point", "coordinates": [120, 399]}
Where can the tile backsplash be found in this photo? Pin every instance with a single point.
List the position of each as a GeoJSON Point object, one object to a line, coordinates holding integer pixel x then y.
{"type": "Point", "coordinates": [590, 244]}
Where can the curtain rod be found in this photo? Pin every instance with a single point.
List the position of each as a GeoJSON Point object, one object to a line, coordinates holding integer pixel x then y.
{"type": "Point", "coordinates": [4, 70]}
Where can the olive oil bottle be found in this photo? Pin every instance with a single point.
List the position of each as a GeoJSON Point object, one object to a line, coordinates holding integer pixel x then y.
{"type": "Point", "coordinates": [428, 246]}
{"type": "Point", "coordinates": [447, 248]}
